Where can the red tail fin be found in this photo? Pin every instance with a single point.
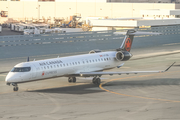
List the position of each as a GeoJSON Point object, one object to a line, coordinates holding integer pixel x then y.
{"type": "Point", "coordinates": [128, 44]}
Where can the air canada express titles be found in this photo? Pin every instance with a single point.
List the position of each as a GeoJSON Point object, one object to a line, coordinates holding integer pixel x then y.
{"type": "Point", "coordinates": [50, 62]}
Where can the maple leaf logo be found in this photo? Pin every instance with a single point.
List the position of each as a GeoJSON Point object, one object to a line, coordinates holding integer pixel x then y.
{"type": "Point", "coordinates": [128, 44]}
{"type": "Point", "coordinates": [43, 73]}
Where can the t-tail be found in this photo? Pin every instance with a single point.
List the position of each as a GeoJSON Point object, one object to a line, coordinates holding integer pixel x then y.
{"type": "Point", "coordinates": [123, 53]}
{"type": "Point", "coordinates": [128, 39]}
{"type": "Point", "coordinates": [127, 42]}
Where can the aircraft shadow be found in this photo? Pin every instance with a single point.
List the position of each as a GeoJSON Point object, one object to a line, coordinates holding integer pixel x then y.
{"type": "Point", "coordinates": [77, 89]}
{"type": "Point", "coordinates": [91, 88]}
{"type": "Point", "coordinates": [143, 83]}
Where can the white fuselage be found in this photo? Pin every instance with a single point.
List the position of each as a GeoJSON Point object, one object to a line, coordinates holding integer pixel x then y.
{"type": "Point", "coordinates": [64, 66]}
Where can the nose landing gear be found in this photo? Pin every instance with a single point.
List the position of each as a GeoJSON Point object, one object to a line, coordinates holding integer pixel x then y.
{"type": "Point", "coordinates": [15, 87]}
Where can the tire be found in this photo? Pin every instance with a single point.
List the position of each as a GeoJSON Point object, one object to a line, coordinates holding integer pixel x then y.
{"type": "Point", "coordinates": [94, 80]}
{"type": "Point", "coordinates": [98, 81]}
{"type": "Point", "coordinates": [74, 79]}
{"type": "Point", "coordinates": [15, 88]}
{"type": "Point", "coordinates": [70, 80]}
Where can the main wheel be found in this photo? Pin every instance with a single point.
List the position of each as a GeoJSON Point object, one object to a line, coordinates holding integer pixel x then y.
{"type": "Point", "coordinates": [74, 79]}
{"type": "Point", "coordinates": [70, 79]}
{"type": "Point", "coordinates": [98, 81]}
{"type": "Point", "coordinates": [94, 80]}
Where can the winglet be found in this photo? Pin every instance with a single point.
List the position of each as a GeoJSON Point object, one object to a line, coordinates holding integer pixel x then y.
{"type": "Point", "coordinates": [169, 67]}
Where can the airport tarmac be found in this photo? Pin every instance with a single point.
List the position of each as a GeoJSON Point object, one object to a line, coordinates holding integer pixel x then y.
{"type": "Point", "coordinates": [6, 31]}
{"type": "Point", "coordinates": [124, 97]}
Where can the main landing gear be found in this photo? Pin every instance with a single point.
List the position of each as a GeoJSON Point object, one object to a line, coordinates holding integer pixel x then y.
{"type": "Point", "coordinates": [72, 79]}
{"type": "Point", "coordinates": [15, 87]}
{"type": "Point", "coordinates": [96, 80]}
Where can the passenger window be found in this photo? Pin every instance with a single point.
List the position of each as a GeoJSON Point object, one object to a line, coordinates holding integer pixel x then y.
{"type": "Point", "coordinates": [96, 60]}
{"type": "Point", "coordinates": [54, 66]}
{"type": "Point", "coordinates": [64, 64]}
{"type": "Point", "coordinates": [93, 60]}
{"type": "Point", "coordinates": [67, 64]}
{"type": "Point", "coordinates": [57, 65]}
{"type": "Point", "coordinates": [87, 61]}
{"type": "Point", "coordinates": [99, 59]}
{"type": "Point", "coordinates": [78, 62]}
{"type": "Point", "coordinates": [90, 60]}
{"type": "Point", "coordinates": [73, 63]}
{"type": "Point", "coordinates": [105, 59]}
{"type": "Point", "coordinates": [61, 65]}
{"type": "Point", "coordinates": [83, 62]}
{"type": "Point", "coordinates": [44, 67]}
{"type": "Point", "coordinates": [51, 67]}
{"type": "Point", "coordinates": [48, 67]}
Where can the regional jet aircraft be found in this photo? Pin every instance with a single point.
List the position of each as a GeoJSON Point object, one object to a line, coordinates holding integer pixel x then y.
{"type": "Point", "coordinates": [87, 65]}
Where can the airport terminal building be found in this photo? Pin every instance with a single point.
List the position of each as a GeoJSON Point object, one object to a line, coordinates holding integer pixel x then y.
{"type": "Point", "coordinates": [38, 9]}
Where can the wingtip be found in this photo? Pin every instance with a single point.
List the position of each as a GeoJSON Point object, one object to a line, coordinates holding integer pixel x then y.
{"type": "Point", "coordinates": [169, 67]}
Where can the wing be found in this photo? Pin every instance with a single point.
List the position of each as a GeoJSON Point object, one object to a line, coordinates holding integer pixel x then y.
{"type": "Point", "coordinates": [88, 74]}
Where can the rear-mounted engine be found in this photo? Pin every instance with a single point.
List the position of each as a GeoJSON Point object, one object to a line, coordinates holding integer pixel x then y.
{"type": "Point", "coordinates": [123, 55]}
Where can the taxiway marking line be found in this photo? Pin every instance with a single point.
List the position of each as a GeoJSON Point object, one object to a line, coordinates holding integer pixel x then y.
{"type": "Point", "coordinates": [164, 100]}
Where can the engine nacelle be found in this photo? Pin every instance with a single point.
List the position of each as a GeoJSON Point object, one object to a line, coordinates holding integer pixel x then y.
{"type": "Point", "coordinates": [123, 55]}
{"type": "Point", "coordinates": [94, 51]}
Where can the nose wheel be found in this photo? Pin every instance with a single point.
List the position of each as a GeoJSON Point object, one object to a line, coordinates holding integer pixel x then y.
{"type": "Point", "coordinates": [96, 80]}
{"type": "Point", "coordinates": [15, 87]}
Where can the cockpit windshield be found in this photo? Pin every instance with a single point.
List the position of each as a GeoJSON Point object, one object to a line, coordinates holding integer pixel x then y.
{"type": "Point", "coordinates": [21, 69]}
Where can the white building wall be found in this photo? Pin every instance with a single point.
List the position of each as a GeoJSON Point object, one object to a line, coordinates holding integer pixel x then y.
{"type": "Point", "coordinates": [30, 9]}
{"type": "Point", "coordinates": [66, 8]}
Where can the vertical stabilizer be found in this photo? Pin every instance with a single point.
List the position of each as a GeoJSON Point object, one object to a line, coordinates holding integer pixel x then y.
{"type": "Point", "coordinates": [127, 42]}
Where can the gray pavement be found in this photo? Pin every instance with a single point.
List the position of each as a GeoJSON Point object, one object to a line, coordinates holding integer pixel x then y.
{"type": "Point", "coordinates": [6, 31]}
{"type": "Point", "coordinates": [125, 97]}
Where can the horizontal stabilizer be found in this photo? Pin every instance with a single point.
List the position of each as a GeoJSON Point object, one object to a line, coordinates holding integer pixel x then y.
{"type": "Point", "coordinates": [133, 32]}
{"type": "Point", "coordinates": [129, 36]}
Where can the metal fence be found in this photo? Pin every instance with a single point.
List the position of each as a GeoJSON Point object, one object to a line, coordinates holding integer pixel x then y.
{"type": "Point", "coordinates": [23, 40]}
{"type": "Point", "coordinates": [65, 43]}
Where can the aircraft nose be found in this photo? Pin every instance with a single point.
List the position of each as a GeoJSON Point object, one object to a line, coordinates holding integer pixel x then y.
{"type": "Point", "coordinates": [7, 80]}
